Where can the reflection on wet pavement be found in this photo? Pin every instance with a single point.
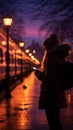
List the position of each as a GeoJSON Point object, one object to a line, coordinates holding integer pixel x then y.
{"type": "Point", "coordinates": [21, 111]}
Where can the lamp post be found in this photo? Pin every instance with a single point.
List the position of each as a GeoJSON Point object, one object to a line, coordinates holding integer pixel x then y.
{"type": "Point", "coordinates": [15, 70]}
{"type": "Point", "coordinates": [7, 22]}
{"type": "Point", "coordinates": [21, 44]}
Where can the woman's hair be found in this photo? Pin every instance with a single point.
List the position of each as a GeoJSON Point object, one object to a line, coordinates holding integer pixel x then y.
{"type": "Point", "coordinates": [51, 42]}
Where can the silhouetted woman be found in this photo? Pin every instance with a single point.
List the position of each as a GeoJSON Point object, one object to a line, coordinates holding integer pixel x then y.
{"type": "Point", "coordinates": [52, 98]}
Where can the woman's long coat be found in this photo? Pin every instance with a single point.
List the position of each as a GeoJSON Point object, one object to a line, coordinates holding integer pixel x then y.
{"type": "Point", "coordinates": [51, 94]}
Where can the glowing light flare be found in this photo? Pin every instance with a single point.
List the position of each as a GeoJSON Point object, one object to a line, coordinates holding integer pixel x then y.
{"type": "Point", "coordinates": [13, 51]}
{"type": "Point", "coordinates": [21, 44]}
{"type": "Point", "coordinates": [7, 21]}
{"type": "Point", "coordinates": [37, 62]}
{"type": "Point", "coordinates": [30, 54]}
{"type": "Point", "coordinates": [27, 50]}
{"type": "Point", "coordinates": [18, 51]}
{"type": "Point", "coordinates": [3, 43]}
{"type": "Point", "coordinates": [34, 51]}
{"type": "Point", "coordinates": [32, 57]}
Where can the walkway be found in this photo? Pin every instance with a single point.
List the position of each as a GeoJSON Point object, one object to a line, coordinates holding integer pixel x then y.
{"type": "Point", "coordinates": [21, 111]}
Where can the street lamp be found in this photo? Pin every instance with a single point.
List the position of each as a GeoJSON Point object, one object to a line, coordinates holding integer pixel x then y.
{"type": "Point", "coordinates": [34, 51]}
{"type": "Point", "coordinates": [7, 22]}
{"type": "Point", "coordinates": [21, 44]}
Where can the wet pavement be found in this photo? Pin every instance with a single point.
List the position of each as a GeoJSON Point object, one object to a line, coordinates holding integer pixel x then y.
{"type": "Point", "coordinates": [21, 111]}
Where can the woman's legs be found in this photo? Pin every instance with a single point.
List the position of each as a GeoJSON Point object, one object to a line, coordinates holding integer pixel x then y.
{"type": "Point", "coordinates": [53, 117]}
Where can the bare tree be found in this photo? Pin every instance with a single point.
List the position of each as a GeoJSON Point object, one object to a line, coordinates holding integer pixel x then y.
{"type": "Point", "coordinates": [56, 15]}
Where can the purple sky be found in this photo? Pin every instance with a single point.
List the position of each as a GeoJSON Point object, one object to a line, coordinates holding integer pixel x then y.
{"type": "Point", "coordinates": [23, 12]}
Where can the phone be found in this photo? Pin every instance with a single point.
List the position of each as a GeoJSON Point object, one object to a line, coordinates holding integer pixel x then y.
{"type": "Point", "coordinates": [34, 68]}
